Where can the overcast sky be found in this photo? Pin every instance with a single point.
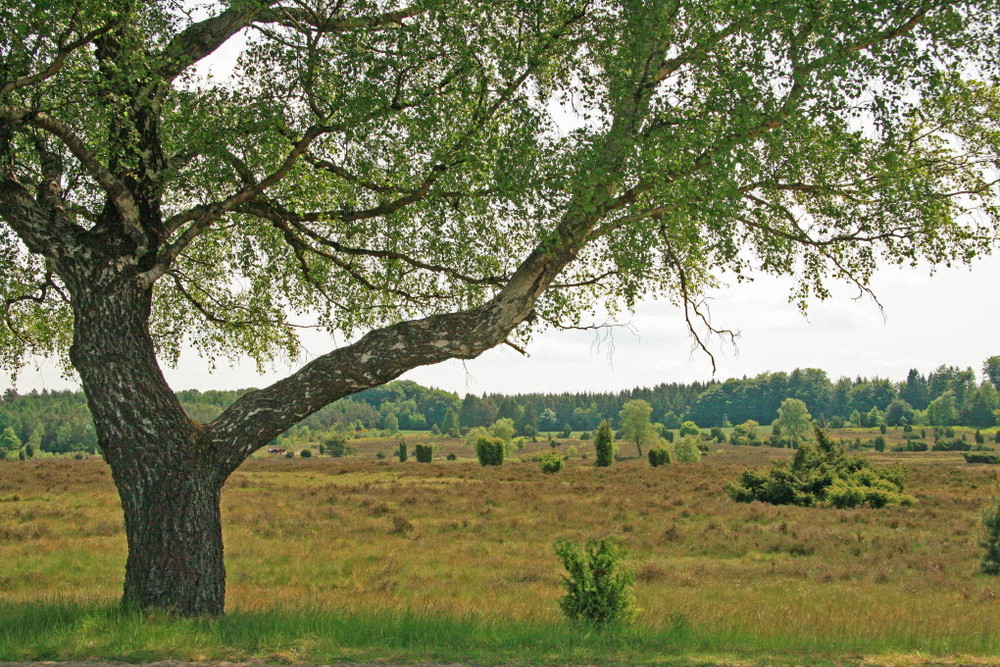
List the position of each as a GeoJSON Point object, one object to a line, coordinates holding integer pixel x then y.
{"type": "Point", "coordinates": [952, 317]}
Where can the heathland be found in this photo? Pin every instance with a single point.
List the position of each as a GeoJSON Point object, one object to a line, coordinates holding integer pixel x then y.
{"type": "Point", "coordinates": [364, 558]}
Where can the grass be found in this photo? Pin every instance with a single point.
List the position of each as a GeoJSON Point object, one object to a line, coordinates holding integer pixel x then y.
{"type": "Point", "coordinates": [363, 560]}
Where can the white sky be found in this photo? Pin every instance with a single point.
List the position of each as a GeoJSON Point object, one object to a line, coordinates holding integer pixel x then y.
{"type": "Point", "coordinates": [952, 317]}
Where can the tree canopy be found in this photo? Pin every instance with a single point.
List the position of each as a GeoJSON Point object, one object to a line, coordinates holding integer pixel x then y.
{"type": "Point", "coordinates": [370, 162]}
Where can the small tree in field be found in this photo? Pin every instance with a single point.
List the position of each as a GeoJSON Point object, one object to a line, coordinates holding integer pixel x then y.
{"type": "Point", "coordinates": [599, 585]}
{"type": "Point", "coordinates": [636, 426]}
{"type": "Point", "coordinates": [794, 419]}
{"type": "Point", "coordinates": [423, 453]}
{"type": "Point", "coordinates": [604, 445]}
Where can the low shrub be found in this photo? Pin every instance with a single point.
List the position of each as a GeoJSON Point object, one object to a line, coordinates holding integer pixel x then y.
{"type": "Point", "coordinates": [599, 585]}
{"type": "Point", "coordinates": [822, 475]}
{"type": "Point", "coordinates": [490, 451]}
{"type": "Point", "coordinates": [451, 457]}
{"type": "Point", "coordinates": [982, 457]}
{"type": "Point", "coordinates": [686, 450]}
{"type": "Point", "coordinates": [951, 445]}
{"type": "Point", "coordinates": [658, 456]}
{"type": "Point", "coordinates": [305, 453]}
{"type": "Point", "coordinates": [423, 453]}
{"type": "Point", "coordinates": [551, 462]}
{"type": "Point", "coordinates": [911, 446]}
{"type": "Point", "coordinates": [337, 446]}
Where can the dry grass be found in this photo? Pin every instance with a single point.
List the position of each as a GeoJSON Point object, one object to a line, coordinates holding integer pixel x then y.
{"type": "Point", "coordinates": [454, 538]}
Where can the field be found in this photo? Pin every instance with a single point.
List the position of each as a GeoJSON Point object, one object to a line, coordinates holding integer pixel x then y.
{"type": "Point", "coordinates": [359, 559]}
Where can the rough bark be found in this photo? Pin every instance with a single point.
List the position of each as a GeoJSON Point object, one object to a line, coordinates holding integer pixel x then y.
{"type": "Point", "coordinates": [162, 464]}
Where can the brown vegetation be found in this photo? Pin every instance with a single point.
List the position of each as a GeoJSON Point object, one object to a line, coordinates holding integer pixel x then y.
{"type": "Point", "coordinates": [364, 533]}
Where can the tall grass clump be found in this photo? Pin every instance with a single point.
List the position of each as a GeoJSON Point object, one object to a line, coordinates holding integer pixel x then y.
{"type": "Point", "coordinates": [599, 584]}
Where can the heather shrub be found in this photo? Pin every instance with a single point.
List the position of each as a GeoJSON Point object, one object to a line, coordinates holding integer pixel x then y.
{"type": "Point", "coordinates": [599, 583]}
{"type": "Point", "coordinates": [822, 475]}
{"type": "Point", "coordinates": [490, 451]}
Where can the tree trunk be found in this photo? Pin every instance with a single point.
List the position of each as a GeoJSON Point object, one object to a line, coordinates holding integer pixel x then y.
{"type": "Point", "coordinates": [166, 470]}
{"type": "Point", "coordinates": [174, 534]}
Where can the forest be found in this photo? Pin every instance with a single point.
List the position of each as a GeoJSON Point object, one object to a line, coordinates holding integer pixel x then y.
{"type": "Point", "coordinates": [58, 422]}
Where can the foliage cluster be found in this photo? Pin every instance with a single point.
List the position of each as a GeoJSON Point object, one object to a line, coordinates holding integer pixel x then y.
{"type": "Point", "coordinates": [822, 475]}
{"type": "Point", "coordinates": [599, 582]}
{"type": "Point", "coordinates": [604, 445]}
{"type": "Point", "coordinates": [490, 451]}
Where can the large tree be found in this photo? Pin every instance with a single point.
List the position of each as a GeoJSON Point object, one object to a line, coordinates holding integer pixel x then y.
{"type": "Point", "coordinates": [432, 178]}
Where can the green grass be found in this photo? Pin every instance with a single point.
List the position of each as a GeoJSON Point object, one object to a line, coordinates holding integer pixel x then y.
{"type": "Point", "coordinates": [73, 631]}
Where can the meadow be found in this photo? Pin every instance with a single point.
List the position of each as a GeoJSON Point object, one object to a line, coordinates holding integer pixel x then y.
{"type": "Point", "coordinates": [361, 559]}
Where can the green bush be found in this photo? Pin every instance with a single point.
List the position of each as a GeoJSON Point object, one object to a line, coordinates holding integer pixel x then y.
{"type": "Point", "coordinates": [401, 452]}
{"type": "Point", "coordinates": [689, 428]}
{"type": "Point", "coordinates": [746, 433]}
{"type": "Point", "coordinates": [289, 455]}
{"type": "Point", "coordinates": [599, 585]}
{"type": "Point", "coordinates": [604, 445]}
{"type": "Point", "coordinates": [991, 535]}
{"type": "Point", "coordinates": [451, 457]}
{"type": "Point", "coordinates": [911, 446]}
{"type": "Point", "coordinates": [490, 451]}
{"type": "Point", "coordinates": [822, 475]}
{"type": "Point", "coordinates": [658, 456]}
{"type": "Point", "coordinates": [305, 453]}
{"type": "Point", "coordinates": [336, 446]}
{"type": "Point", "coordinates": [982, 457]}
{"type": "Point", "coordinates": [951, 445]}
{"type": "Point", "coordinates": [423, 453]}
{"type": "Point", "coordinates": [551, 462]}
{"type": "Point", "coordinates": [718, 434]}
{"type": "Point", "coordinates": [686, 450]}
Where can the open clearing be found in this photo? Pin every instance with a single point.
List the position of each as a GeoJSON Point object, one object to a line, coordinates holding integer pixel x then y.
{"type": "Point", "coordinates": [470, 549]}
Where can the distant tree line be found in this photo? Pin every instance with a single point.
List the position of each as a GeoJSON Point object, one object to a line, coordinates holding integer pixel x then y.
{"type": "Point", "coordinates": [59, 422]}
